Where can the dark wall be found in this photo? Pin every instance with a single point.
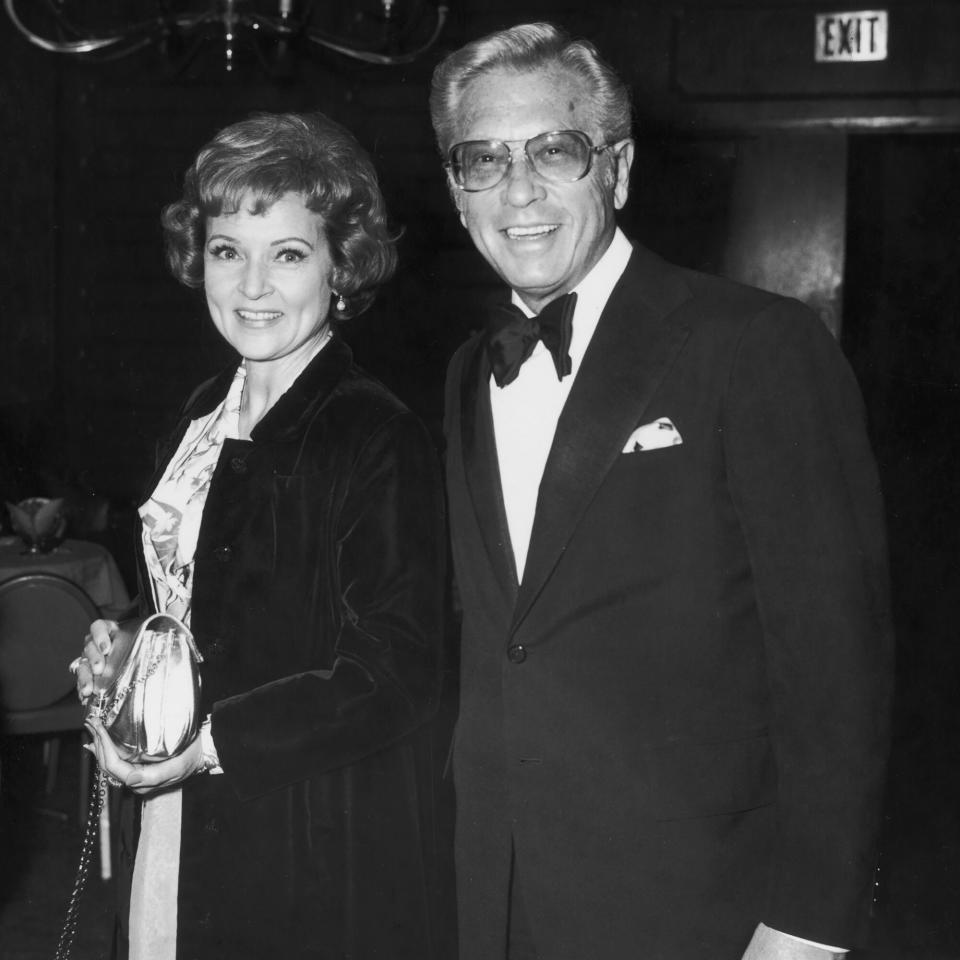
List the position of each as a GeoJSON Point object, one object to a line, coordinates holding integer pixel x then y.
{"type": "Point", "coordinates": [28, 103]}
{"type": "Point", "coordinates": [902, 338]}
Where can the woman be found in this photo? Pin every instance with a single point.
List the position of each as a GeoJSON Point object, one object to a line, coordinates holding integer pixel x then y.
{"type": "Point", "coordinates": [295, 521]}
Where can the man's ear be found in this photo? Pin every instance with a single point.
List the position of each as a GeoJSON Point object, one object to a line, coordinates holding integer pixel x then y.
{"type": "Point", "coordinates": [456, 195]}
{"type": "Point", "coordinates": [623, 161]}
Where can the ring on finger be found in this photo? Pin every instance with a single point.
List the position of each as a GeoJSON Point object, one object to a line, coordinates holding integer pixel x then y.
{"type": "Point", "coordinates": [74, 665]}
{"type": "Point", "coordinates": [113, 781]}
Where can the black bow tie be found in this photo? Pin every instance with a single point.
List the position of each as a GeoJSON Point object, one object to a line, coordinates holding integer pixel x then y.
{"type": "Point", "coordinates": [512, 335]}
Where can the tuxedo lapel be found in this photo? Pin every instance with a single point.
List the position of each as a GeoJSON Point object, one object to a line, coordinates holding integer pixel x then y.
{"type": "Point", "coordinates": [631, 350]}
{"type": "Point", "coordinates": [482, 470]}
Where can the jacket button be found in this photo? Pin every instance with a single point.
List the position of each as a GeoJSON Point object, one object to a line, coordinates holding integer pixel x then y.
{"type": "Point", "coordinates": [517, 653]}
{"type": "Point", "coordinates": [223, 554]}
{"type": "Point", "coordinates": [238, 465]}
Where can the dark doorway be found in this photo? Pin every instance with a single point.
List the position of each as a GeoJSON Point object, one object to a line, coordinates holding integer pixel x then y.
{"type": "Point", "coordinates": [902, 334]}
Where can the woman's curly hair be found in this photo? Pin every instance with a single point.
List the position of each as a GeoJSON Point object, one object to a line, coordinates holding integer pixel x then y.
{"type": "Point", "coordinates": [267, 156]}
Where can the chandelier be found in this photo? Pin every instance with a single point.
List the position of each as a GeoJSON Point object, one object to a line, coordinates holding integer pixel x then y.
{"type": "Point", "coordinates": [385, 32]}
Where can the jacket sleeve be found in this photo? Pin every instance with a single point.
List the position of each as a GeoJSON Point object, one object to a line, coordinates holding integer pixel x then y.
{"type": "Point", "coordinates": [804, 483]}
{"type": "Point", "coordinates": [390, 550]}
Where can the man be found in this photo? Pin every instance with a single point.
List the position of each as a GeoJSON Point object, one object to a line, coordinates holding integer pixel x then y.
{"type": "Point", "coordinates": [669, 549]}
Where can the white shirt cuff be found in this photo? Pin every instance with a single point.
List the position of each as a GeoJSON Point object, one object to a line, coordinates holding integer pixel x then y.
{"type": "Point", "coordinates": [211, 760]}
{"type": "Point", "coordinates": [813, 943]}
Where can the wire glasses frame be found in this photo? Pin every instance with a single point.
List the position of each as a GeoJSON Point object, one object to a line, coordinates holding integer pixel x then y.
{"type": "Point", "coordinates": [561, 156]}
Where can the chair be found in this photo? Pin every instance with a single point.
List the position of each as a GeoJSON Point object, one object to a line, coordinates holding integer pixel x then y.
{"type": "Point", "coordinates": [43, 620]}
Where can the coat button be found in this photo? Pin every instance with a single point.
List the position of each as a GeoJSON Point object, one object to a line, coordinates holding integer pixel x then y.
{"type": "Point", "coordinates": [238, 465]}
{"type": "Point", "coordinates": [223, 554]}
{"type": "Point", "coordinates": [517, 653]}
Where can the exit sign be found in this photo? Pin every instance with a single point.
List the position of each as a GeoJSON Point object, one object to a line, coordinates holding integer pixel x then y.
{"type": "Point", "coordinates": [853, 37]}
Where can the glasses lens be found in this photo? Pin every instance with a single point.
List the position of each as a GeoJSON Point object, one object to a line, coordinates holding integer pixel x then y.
{"type": "Point", "coordinates": [562, 156]}
{"type": "Point", "coordinates": [478, 164]}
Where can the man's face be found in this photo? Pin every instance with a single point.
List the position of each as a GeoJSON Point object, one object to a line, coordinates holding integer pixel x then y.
{"type": "Point", "coordinates": [541, 237]}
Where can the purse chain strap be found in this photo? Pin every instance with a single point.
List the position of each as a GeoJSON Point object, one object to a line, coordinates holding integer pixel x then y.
{"type": "Point", "coordinates": [98, 797]}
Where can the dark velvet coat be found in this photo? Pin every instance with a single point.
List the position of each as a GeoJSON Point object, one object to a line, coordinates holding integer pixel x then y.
{"type": "Point", "coordinates": [678, 719]}
{"type": "Point", "coordinates": [317, 604]}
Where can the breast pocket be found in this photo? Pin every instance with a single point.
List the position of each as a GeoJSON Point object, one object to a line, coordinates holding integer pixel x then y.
{"type": "Point", "coordinates": [664, 476]}
{"type": "Point", "coordinates": [640, 459]}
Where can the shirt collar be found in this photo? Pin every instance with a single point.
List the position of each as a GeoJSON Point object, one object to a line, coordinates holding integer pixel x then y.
{"type": "Point", "coordinates": [592, 292]}
{"type": "Point", "coordinates": [297, 405]}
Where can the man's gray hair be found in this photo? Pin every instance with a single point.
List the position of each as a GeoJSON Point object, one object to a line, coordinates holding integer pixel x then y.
{"type": "Point", "coordinates": [523, 49]}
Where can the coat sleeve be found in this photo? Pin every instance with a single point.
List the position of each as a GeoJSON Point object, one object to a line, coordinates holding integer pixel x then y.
{"type": "Point", "coordinates": [385, 679]}
{"type": "Point", "coordinates": [804, 483]}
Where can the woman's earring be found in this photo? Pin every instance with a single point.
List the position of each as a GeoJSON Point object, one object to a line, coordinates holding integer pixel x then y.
{"type": "Point", "coordinates": [341, 304]}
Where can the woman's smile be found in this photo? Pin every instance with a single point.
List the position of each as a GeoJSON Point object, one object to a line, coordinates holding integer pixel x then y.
{"type": "Point", "coordinates": [258, 316]}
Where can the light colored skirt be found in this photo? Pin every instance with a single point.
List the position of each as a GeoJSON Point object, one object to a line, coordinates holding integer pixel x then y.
{"type": "Point", "coordinates": [156, 879]}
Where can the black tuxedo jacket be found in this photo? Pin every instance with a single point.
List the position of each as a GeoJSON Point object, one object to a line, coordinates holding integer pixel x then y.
{"type": "Point", "coordinates": [678, 720]}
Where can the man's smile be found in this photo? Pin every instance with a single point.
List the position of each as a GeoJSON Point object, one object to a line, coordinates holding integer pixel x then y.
{"type": "Point", "coordinates": [532, 232]}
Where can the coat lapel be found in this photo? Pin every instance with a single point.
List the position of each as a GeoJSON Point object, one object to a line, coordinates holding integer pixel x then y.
{"type": "Point", "coordinates": [482, 469]}
{"type": "Point", "coordinates": [284, 421]}
{"type": "Point", "coordinates": [631, 350]}
{"type": "Point", "coordinates": [297, 407]}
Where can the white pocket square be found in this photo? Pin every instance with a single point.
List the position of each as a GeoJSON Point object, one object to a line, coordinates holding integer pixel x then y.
{"type": "Point", "coordinates": [653, 436]}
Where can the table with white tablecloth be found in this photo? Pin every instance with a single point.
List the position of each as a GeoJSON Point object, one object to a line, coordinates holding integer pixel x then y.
{"type": "Point", "coordinates": [87, 564]}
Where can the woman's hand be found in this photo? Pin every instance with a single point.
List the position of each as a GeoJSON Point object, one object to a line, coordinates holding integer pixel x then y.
{"type": "Point", "coordinates": [97, 645]}
{"type": "Point", "coordinates": [143, 778]}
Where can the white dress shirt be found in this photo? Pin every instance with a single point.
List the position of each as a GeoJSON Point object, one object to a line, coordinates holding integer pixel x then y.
{"type": "Point", "coordinates": [526, 411]}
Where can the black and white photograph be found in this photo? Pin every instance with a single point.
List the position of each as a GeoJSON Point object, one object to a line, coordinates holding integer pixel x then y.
{"type": "Point", "coordinates": [479, 480]}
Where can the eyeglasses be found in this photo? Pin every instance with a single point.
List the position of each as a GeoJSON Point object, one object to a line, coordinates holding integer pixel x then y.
{"type": "Point", "coordinates": [561, 156]}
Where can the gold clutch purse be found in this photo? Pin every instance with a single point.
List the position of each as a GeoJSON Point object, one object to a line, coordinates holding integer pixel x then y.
{"type": "Point", "coordinates": [148, 696]}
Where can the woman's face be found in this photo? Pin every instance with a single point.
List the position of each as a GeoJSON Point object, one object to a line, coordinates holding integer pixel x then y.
{"type": "Point", "coordinates": [267, 278]}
